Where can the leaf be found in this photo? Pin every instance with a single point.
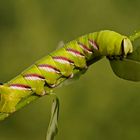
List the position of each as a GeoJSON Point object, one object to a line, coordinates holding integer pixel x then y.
{"type": "Point", "coordinates": [129, 67]}
{"type": "Point", "coordinates": [53, 125]}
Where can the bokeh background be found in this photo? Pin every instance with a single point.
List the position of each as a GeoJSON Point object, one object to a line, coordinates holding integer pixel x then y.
{"type": "Point", "coordinates": [99, 106]}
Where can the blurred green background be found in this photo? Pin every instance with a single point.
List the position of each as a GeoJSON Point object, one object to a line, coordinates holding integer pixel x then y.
{"type": "Point", "coordinates": [99, 106]}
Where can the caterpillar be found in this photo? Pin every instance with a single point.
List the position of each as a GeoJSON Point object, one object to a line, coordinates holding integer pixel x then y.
{"type": "Point", "coordinates": [71, 60]}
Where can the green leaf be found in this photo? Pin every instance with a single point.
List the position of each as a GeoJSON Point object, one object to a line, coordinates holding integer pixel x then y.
{"type": "Point", "coordinates": [129, 67]}
{"type": "Point", "coordinates": [53, 125]}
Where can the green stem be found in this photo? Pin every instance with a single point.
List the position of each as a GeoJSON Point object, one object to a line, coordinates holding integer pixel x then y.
{"type": "Point", "coordinates": [3, 116]}
{"type": "Point", "coordinates": [19, 106]}
{"type": "Point", "coordinates": [26, 101]}
{"type": "Point", "coordinates": [134, 36]}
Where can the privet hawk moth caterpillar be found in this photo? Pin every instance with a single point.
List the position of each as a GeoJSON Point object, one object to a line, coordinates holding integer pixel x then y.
{"type": "Point", "coordinates": [65, 63]}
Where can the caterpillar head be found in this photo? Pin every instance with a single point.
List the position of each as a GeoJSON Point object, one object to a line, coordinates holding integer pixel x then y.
{"type": "Point", "coordinates": [113, 44]}
{"type": "Point", "coordinates": [126, 46]}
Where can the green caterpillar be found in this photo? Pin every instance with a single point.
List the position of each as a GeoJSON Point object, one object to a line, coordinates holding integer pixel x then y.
{"type": "Point", "coordinates": [63, 64]}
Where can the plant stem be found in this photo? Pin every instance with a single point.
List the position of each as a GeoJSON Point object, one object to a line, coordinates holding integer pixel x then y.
{"type": "Point", "coordinates": [20, 105]}
{"type": "Point", "coordinates": [134, 36]}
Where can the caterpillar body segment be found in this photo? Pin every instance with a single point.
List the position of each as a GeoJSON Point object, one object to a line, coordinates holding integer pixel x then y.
{"type": "Point", "coordinates": [65, 63]}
